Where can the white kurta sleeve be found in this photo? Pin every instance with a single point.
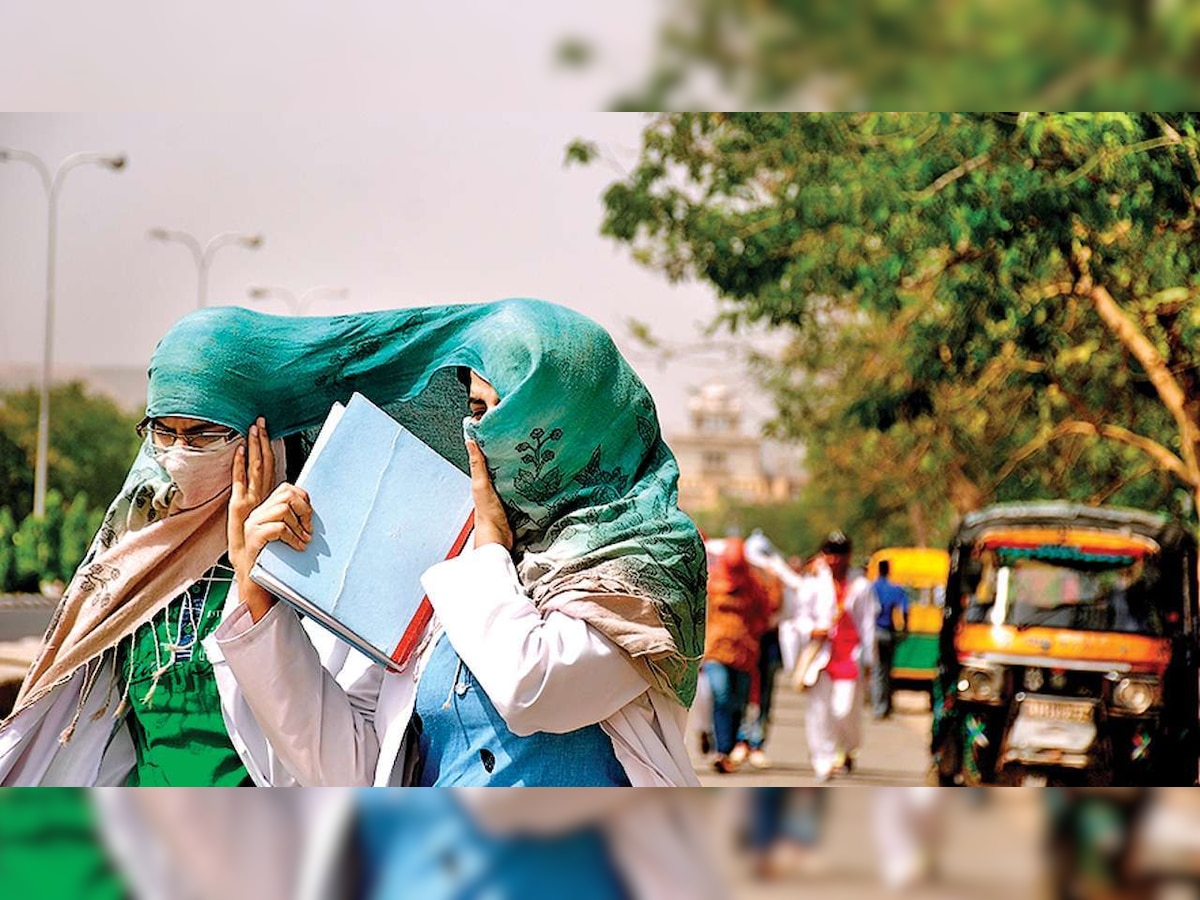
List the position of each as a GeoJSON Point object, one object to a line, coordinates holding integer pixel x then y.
{"type": "Point", "coordinates": [553, 673]}
{"type": "Point", "coordinates": [867, 613]}
{"type": "Point", "coordinates": [324, 734]}
{"type": "Point", "coordinates": [807, 601]}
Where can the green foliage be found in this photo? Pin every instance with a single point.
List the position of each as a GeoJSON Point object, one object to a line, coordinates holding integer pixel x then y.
{"type": "Point", "coordinates": [794, 528]}
{"type": "Point", "coordinates": [92, 442]}
{"type": "Point", "coordinates": [8, 528]}
{"type": "Point", "coordinates": [581, 153]}
{"type": "Point", "coordinates": [941, 278]}
{"type": "Point", "coordinates": [799, 527]}
{"type": "Point", "coordinates": [904, 53]}
{"type": "Point", "coordinates": [33, 554]}
{"type": "Point", "coordinates": [80, 524]}
{"type": "Point", "coordinates": [48, 549]}
{"type": "Point", "coordinates": [16, 475]}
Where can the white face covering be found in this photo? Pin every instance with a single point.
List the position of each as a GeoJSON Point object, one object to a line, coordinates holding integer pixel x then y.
{"type": "Point", "coordinates": [197, 476]}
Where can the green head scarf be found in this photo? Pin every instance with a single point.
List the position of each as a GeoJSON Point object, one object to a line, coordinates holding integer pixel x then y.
{"type": "Point", "coordinates": [574, 446]}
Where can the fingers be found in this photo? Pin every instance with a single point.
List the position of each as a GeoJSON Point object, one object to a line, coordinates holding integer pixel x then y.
{"type": "Point", "coordinates": [262, 460]}
{"type": "Point", "coordinates": [294, 501]}
{"type": "Point", "coordinates": [491, 523]}
{"type": "Point", "coordinates": [283, 512]}
{"type": "Point", "coordinates": [255, 464]}
{"type": "Point", "coordinates": [237, 498]}
{"type": "Point", "coordinates": [235, 522]}
{"type": "Point", "coordinates": [239, 469]}
{"type": "Point", "coordinates": [238, 507]}
{"type": "Point", "coordinates": [268, 457]}
{"type": "Point", "coordinates": [280, 530]}
{"type": "Point", "coordinates": [285, 516]}
{"type": "Point", "coordinates": [479, 472]}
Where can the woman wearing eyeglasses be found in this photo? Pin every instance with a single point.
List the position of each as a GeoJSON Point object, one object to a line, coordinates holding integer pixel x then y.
{"type": "Point", "coordinates": [121, 692]}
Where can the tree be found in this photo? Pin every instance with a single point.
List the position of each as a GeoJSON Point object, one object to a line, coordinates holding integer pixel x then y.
{"type": "Point", "coordinates": [982, 306]}
{"type": "Point", "coordinates": [16, 475]}
{"type": "Point", "coordinates": [7, 561]}
{"type": "Point", "coordinates": [92, 443]}
{"type": "Point", "coordinates": [79, 526]}
{"type": "Point", "coordinates": [905, 53]}
{"type": "Point", "coordinates": [36, 546]}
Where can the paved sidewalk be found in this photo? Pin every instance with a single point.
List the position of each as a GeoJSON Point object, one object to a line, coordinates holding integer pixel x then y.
{"type": "Point", "coordinates": [989, 852]}
{"type": "Point", "coordinates": [894, 751]}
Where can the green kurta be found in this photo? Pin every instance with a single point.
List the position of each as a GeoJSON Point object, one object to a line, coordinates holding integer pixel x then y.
{"type": "Point", "coordinates": [176, 723]}
{"type": "Point", "coordinates": [50, 846]}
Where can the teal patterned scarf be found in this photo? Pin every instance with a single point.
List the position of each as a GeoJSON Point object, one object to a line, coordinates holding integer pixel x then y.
{"type": "Point", "coordinates": [574, 447]}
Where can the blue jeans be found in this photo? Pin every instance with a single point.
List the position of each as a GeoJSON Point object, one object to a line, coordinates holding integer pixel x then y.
{"type": "Point", "coordinates": [731, 693]}
{"type": "Point", "coordinates": [768, 809]}
{"type": "Point", "coordinates": [794, 813]}
{"type": "Point", "coordinates": [770, 661]}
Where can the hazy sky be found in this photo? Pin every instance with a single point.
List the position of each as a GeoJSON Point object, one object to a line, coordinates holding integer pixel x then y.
{"type": "Point", "coordinates": [402, 210]}
{"type": "Point", "coordinates": [304, 55]}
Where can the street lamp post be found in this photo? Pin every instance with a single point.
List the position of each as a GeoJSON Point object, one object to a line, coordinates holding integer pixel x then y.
{"type": "Point", "coordinates": [296, 304]}
{"type": "Point", "coordinates": [204, 254]}
{"type": "Point", "coordinates": [52, 184]}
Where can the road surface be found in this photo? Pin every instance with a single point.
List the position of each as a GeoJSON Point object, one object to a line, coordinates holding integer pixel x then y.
{"type": "Point", "coordinates": [894, 751]}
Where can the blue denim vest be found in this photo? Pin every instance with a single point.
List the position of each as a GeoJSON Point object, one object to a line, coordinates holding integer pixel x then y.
{"type": "Point", "coordinates": [463, 741]}
{"type": "Point", "coordinates": [421, 843]}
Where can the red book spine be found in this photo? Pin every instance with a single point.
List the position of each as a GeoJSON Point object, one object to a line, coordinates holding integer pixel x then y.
{"type": "Point", "coordinates": [412, 634]}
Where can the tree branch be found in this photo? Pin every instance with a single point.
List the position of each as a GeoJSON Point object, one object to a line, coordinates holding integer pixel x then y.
{"type": "Point", "coordinates": [1103, 495]}
{"type": "Point", "coordinates": [1170, 391]}
{"type": "Point", "coordinates": [1162, 456]}
{"type": "Point", "coordinates": [952, 176]}
{"type": "Point", "coordinates": [1117, 153]}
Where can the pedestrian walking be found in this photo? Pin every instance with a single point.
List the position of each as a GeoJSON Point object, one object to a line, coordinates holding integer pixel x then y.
{"type": "Point", "coordinates": [908, 834]}
{"type": "Point", "coordinates": [891, 603]}
{"type": "Point", "coordinates": [836, 616]}
{"type": "Point", "coordinates": [756, 725]}
{"type": "Point", "coordinates": [785, 829]}
{"type": "Point", "coordinates": [738, 614]}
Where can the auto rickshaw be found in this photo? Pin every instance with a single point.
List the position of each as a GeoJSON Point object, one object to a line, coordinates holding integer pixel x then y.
{"type": "Point", "coordinates": [1069, 649]}
{"type": "Point", "coordinates": [922, 572]}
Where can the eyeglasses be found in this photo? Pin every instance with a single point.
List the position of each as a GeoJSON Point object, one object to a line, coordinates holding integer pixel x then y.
{"type": "Point", "coordinates": [164, 437]}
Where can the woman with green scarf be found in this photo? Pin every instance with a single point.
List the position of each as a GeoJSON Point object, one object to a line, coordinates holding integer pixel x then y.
{"type": "Point", "coordinates": [564, 646]}
{"type": "Point", "coordinates": [597, 533]}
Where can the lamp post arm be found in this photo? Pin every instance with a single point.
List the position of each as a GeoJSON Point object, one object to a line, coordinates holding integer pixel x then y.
{"type": "Point", "coordinates": [51, 184]}
{"type": "Point", "coordinates": [215, 243]}
{"type": "Point", "coordinates": [9, 154]}
{"type": "Point", "coordinates": [182, 237]}
{"type": "Point", "coordinates": [75, 160]}
{"type": "Point", "coordinates": [321, 290]}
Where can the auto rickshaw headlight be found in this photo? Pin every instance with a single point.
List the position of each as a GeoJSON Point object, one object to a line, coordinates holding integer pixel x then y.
{"type": "Point", "coordinates": [984, 684]}
{"type": "Point", "coordinates": [1034, 679]}
{"type": "Point", "coordinates": [1135, 695]}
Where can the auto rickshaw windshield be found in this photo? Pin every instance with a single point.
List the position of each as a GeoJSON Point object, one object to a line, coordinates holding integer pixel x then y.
{"type": "Point", "coordinates": [1047, 587]}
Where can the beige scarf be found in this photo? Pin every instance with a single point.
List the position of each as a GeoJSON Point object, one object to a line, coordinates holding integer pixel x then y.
{"type": "Point", "coordinates": [632, 623]}
{"type": "Point", "coordinates": [125, 583]}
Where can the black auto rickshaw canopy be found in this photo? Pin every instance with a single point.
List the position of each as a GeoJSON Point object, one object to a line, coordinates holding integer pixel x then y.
{"type": "Point", "coordinates": [1169, 534]}
{"type": "Point", "coordinates": [1176, 548]}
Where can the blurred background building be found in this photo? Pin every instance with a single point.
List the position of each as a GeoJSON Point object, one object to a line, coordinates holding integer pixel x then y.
{"type": "Point", "coordinates": [720, 462]}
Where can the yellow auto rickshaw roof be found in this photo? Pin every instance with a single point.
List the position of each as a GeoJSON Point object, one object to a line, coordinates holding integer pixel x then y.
{"type": "Point", "coordinates": [916, 567]}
